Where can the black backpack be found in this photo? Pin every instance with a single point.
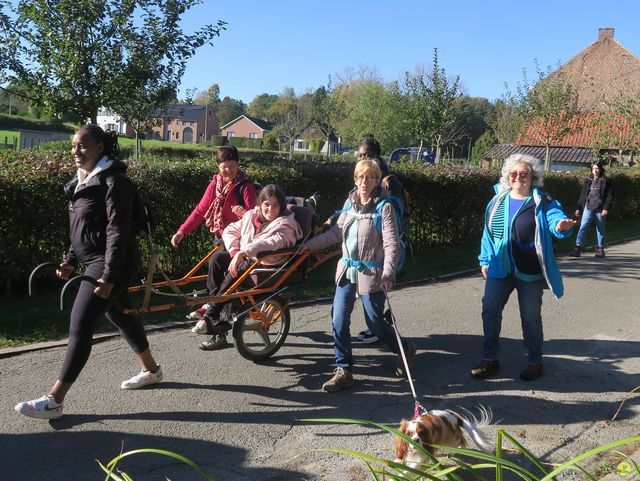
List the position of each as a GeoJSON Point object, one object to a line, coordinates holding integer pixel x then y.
{"type": "Point", "coordinates": [143, 222]}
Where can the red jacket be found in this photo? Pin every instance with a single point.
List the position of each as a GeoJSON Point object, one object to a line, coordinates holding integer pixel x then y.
{"type": "Point", "coordinates": [249, 196]}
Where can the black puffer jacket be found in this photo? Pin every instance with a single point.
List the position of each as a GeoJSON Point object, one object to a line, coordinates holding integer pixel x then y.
{"type": "Point", "coordinates": [100, 221]}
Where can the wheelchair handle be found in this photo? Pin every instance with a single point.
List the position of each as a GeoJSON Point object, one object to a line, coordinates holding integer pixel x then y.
{"type": "Point", "coordinates": [34, 271]}
{"type": "Point", "coordinates": [93, 282]}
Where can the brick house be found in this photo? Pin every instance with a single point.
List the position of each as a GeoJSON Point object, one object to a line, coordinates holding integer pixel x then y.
{"type": "Point", "coordinates": [247, 127]}
{"type": "Point", "coordinates": [185, 123]}
{"type": "Point", "coordinates": [600, 73]}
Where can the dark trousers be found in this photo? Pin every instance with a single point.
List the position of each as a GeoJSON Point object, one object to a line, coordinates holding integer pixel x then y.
{"type": "Point", "coordinates": [219, 279]}
{"type": "Point", "coordinates": [88, 309]}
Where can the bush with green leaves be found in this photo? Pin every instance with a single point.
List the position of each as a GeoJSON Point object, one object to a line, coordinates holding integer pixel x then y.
{"type": "Point", "coordinates": [447, 203]}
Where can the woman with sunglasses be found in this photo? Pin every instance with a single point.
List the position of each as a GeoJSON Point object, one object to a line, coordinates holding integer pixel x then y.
{"type": "Point", "coordinates": [516, 252]}
{"type": "Point", "coordinates": [226, 199]}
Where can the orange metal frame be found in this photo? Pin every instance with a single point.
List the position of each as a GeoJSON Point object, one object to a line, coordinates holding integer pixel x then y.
{"type": "Point", "coordinates": [233, 292]}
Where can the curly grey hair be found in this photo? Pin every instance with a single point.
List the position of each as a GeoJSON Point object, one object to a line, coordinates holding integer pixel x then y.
{"type": "Point", "coordinates": [536, 168]}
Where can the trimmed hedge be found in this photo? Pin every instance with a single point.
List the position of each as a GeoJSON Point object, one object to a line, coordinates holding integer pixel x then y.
{"type": "Point", "coordinates": [447, 203]}
{"type": "Point", "coordinates": [243, 143]}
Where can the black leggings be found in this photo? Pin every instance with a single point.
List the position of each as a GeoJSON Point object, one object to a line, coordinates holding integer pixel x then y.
{"type": "Point", "coordinates": [88, 309]}
{"type": "Point", "coordinates": [219, 279]}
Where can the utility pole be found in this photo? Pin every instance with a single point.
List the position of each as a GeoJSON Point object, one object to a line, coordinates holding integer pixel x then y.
{"type": "Point", "coordinates": [206, 116]}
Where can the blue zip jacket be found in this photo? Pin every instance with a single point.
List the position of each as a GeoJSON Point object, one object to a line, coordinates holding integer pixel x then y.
{"type": "Point", "coordinates": [548, 212]}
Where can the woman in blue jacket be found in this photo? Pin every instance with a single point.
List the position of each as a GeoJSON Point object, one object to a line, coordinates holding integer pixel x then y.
{"type": "Point", "coordinates": [517, 253]}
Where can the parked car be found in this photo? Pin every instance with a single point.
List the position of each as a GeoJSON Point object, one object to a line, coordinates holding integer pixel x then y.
{"type": "Point", "coordinates": [412, 154]}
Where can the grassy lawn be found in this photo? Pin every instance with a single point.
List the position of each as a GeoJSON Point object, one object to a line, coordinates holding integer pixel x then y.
{"type": "Point", "coordinates": [7, 136]}
{"type": "Point", "coordinates": [24, 319]}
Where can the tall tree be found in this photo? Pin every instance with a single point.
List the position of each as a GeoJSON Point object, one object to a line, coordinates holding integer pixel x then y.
{"type": "Point", "coordinates": [229, 109]}
{"type": "Point", "coordinates": [260, 106]}
{"type": "Point", "coordinates": [549, 109]}
{"type": "Point", "coordinates": [321, 115]}
{"type": "Point", "coordinates": [617, 128]}
{"type": "Point", "coordinates": [78, 55]}
{"type": "Point", "coordinates": [210, 97]}
{"type": "Point", "coordinates": [431, 105]}
{"type": "Point", "coordinates": [293, 114]}
{"type": "Point", "coordinates": [472, 116]}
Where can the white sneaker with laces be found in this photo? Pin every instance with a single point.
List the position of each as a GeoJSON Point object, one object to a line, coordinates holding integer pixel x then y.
{"type": "Point", "coordinates": [201, 327]}
{"type": "Point", "coordinates": [45, 407]}
{"type": "Point", "coordinates": [143, 378]}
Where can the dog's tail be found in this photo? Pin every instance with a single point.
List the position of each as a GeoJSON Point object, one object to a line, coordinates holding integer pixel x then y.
{"type": "Point", "coordinates": [475, 427]}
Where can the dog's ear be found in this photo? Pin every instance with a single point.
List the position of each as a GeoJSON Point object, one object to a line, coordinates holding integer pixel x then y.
{"type": "Point", "coordinates": [401, 444]}
{"type": "Point", "coordinates": [401, 448]}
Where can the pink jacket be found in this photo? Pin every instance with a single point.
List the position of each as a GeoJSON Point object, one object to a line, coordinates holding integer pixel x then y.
{"type": "Point", "coordinates": [249, 195]}
{"type": "Point", "coordinates": [278, 234]}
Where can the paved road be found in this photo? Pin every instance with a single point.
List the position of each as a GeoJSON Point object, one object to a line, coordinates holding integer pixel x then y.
{"type": "Point", "coordinates": [241, 421]}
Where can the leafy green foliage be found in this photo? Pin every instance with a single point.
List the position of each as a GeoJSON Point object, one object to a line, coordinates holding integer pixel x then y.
{"type": "Point", "coordinates": [447, 203]}
{"type": "Point", "coordinates": [117, 53]}
{"type": "Point", "coordinates": [483, 465]}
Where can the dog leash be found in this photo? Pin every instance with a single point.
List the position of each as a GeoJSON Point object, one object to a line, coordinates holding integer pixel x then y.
{"type": "Point", "coordinates": [418, 408]}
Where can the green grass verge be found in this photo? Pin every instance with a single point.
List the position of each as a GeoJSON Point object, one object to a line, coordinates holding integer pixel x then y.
{"type": "Point", "coordinates": [26, 319]}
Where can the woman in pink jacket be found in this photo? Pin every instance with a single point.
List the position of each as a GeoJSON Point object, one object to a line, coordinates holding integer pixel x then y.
{"type": "Point", "coordinates": [267, 227]}
{"type": "Point", "coordinates": [229, 195]}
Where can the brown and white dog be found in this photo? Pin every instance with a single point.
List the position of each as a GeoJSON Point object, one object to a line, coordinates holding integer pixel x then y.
{"type": "Point", "coordinates": [442, 428]}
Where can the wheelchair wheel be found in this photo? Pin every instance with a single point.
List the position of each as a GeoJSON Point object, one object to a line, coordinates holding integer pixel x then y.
{"type": "Point", "coordinates": [261, 332]}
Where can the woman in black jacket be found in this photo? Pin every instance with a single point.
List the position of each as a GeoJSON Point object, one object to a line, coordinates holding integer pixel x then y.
{"type": "Point", "coordinates": [100, 217]}
{"type": "Point", "coordinates": [595, 200]}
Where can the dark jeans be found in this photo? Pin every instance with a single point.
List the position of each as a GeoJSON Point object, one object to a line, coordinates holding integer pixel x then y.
{"type": "Point", "coordinates": [496, 295]}
{"type": "Point", "coordinates": [88, 309]}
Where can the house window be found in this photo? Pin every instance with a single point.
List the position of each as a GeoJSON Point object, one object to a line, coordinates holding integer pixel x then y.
{"type": "Point", "coordinates": [177, 135]}
{"type": "Point", "coordinates": [230, 133]}
{"type": "Point", "coordinates": [253, 135]}
{"type": "Point", "coordinates": [300, 145]}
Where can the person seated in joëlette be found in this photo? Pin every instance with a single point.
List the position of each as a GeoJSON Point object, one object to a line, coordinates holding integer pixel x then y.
{"type": "Point", "coordinates": [270, 226]}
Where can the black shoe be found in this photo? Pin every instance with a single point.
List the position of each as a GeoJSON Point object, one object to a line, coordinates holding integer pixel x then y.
{"type": "Point", "coordinates": [220, 328]}
{"type": "Point", "coordinates": [577, 252]}
{"type": "Point", "coordinates": [532, 372]}
{"type": "Point", "coordinates": [485, 369]}
{"type": "Point", "coordinates": [600, 252]}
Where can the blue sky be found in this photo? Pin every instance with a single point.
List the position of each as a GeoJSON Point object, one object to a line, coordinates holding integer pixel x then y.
{"type": "Point", "coordinates": [271, 45]}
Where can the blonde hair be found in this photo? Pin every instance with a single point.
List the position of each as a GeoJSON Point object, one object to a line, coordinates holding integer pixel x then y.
{"type": "Point", "coordinates": [536, 168]}
{"type": "Point", "coordinates": [367, 167]}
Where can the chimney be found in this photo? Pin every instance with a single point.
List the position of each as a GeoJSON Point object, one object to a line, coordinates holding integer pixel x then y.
{"type": "Point", "coordinates": [605, 32]}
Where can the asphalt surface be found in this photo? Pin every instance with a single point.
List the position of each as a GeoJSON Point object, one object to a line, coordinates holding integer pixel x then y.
{"type": "Point", "coordinates": [242, 421]}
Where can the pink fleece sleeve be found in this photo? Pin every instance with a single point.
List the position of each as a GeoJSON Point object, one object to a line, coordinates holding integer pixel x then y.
{"type": "Point", "coordinates": [197, 215]}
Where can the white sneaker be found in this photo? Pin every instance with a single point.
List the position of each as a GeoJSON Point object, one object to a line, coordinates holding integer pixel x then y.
{"type": "Point", "coordinates": [198, 313]}
{"type": "Point", "coordinates": [201, 327]}
{"type": "Point", "coordinates": [143, 378]}
{"type": "Point", "coordinates": [45, 407]}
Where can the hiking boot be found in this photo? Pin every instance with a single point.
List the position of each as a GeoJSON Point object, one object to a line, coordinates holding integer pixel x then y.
{"type": "Point", "coordinates": [600, 252]}
{"type": "Point", "coordinates": [214, 343]}
{"type": "Point", "coordinates": [341, 378]}
{"type": "Point", "coordinates": [532, 372]}
{"type": "Point", "coordinates": [367, 337]}
{"type": "Point", "coordinates": [486, 369]}
{"type": "Point", "coordinates": [577, 252]}
{"type": "Point", "coordinates": [45, 407]}
{"type": "Point", "coordinates": [201, 327]}
{"type": "Point", "coordinates": [142, 379]}
{"type": "Point", "coordinates": [410, 353]}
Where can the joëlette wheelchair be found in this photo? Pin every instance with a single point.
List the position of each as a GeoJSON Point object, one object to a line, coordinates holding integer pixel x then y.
{"type": "Point", "coordinates": [258, 307]}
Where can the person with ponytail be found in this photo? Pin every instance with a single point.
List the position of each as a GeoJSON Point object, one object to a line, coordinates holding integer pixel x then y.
{"type": "Point", "coordinates": [101, 222]}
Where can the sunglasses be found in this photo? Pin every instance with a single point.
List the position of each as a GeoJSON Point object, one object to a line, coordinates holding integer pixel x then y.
{"type": "Point", "coordinates": [523, 174]}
